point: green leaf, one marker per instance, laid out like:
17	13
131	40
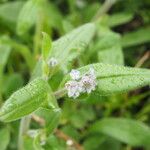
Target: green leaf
109	43
25	100
106	44
137	37
119	18
91	143
128	131
27	16
46	45
110	144
105	56
5	137
72	44
113	79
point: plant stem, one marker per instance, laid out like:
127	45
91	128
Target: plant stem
104	8
24	126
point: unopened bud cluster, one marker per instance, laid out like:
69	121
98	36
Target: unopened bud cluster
81	84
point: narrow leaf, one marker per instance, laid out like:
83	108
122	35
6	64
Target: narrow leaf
119	18
46	45
137	37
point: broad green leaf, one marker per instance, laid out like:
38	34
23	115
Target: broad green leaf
25	100
5	137
46	45
27	16
119	18
137	37
112	78
72	44
128	131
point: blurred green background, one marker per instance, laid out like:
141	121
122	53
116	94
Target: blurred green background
122	37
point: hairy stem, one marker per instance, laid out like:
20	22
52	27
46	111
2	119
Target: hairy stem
24	126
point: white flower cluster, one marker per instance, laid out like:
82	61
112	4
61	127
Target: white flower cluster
81	84
52	62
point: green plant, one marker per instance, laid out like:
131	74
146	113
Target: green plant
62	73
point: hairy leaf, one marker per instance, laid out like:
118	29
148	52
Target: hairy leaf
112	78
72	44
25	100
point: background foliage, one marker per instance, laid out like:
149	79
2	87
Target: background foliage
119	35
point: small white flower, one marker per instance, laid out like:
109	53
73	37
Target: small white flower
88	81
52	62
74	88
75	74
88	84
